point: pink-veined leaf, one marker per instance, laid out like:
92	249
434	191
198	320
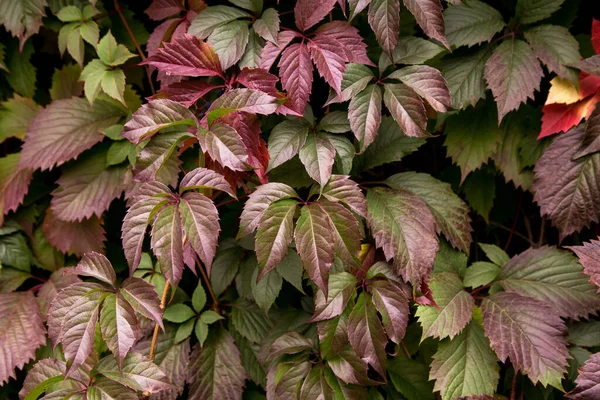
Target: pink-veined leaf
58	281
315	243
428	14
267	26
74	237
330	58
296	72
345	230
204	178
318	156
187	93
587	382
14	183
258	202
271	51
136	372
224	145
142	296
186	55
259	79
528	332
119	326
21	331
242	100
384	18
352	43
158	160
406	108
392	304
342	189
428	82
154	116
200	221
364	114
42	376
589	258
96	266
167	242
309	12
65	129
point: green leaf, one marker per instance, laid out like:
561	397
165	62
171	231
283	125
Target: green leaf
266	290
250	321
344	153
90	32
411	50
267	26
2	57
206	22
274	234
410	378
449	259
69	14
584	334
120	151
333	335
465	365
111	53
22	77
137	372
65	82
22	18
355	80
454	310
210	317
464	76
341	288
229	42
290	269
251	58
253	5
530	11
495	254
15	116
97	75
224	268
471	23
15	252
406	108
480	273
480	190
318	156
199	298
43	376
178	313
184	330
119	326
285	141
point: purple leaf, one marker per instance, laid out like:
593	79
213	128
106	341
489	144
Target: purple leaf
289	343
392	304
21	331
158	160
341	189
530	333
74	237
200	221
296	72
345	230
242	100
333	335
136	372
44	373
589	257
97	266
143	298
348	367
350	39
285	141
259	79
288	385
104	388
204	178
187	93
428	83
224	145
330	58
588	384
186	56
167	242
406	108
65	129
364	114
119	326
271	51
58	281
14	183
384	18
341	287
161	9
428	14
309	12
154	116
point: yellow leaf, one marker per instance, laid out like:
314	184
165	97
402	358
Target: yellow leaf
562	91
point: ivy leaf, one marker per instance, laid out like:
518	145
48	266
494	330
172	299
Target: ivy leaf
556	48
406	108
530	11
15	116
229	42
267	26
428	14
587	386
454	310
562	188
315	243
21	331
136	372
318	156
212	17
404	228
274	234
167	242
464	77
513	73
364	114
119	326
22	18
341	287
472	23
142	296
186	55
530	333
552	276
366	334
285	141
465	365
296	72
65	129
308	12
74	237
154	116
427	82
200	221
384	19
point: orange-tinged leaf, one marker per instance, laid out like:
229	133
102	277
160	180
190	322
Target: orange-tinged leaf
562	91
561	117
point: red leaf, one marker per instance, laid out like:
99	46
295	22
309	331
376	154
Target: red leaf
187	93
384	18
271	51
258	78
330	58
296	72
309	12
74	237
201	178
562	117
96	266
596	35
187	56
348	36
428	14
161	9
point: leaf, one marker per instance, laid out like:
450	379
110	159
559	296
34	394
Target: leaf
318	156
224	144
555	47
186	55
392	304
529	11
428	14
471	23
454	310
64	129
57	282
212	17
341	287
143	298
450	212
565	189
15	116
552	276
44	374
480	191
465	365
352	45
136	372
285	141
588	258
406	108
266	290
410	378
384	19
513	74
111	53
329	60
242	100
14	252
355	80
161	9
258	202
413	50
167	242
178	313
21	331
119	326
589	65
584	334
225	268
74	237
290	269
315	243
154	116
274	234
106	389
250	321
229	42
271	51
472	137
296	72
345	231
267	26
427	82
404	228
530	333
22	78
96	266
187	93
464	77
203	178
22	18
590	142
308	12
480	273
587	386
366	334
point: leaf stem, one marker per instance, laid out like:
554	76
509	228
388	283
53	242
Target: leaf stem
515	233
135	42
513	389
514	225
208	285
163	304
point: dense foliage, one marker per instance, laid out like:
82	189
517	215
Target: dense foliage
309	199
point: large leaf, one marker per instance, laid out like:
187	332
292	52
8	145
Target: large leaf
342	189
119	326
243	100
341	287
65	129
352	45
167	242
136	372
384	18
267	26
309	12
318	156
406	108
315	243
513	73
74	237
296	72
212	17
568	190
41	377
404	228
364	114
464	76
345	231
274	235
529	11
450	212
15	116
285	141
22	18
215	370
96	266
14	183
390	300
465	365
454	310
142	296
204	178
250	321
472	23
229	42
553	276
366	334
530	333
588	385
428	82
21	331
428	14
224	144
329	57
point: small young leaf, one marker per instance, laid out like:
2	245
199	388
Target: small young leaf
178	313
199	298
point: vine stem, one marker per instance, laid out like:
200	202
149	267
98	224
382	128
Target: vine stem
208	285
135	42
163	304
513	389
